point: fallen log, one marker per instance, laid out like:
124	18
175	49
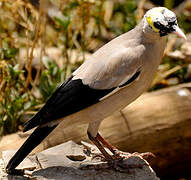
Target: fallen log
158	122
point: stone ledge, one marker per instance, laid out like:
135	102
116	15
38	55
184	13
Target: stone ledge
72	161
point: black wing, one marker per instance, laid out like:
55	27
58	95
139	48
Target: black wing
72	96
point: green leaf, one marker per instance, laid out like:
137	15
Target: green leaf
64	21
9	52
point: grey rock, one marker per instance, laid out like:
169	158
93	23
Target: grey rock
70	161
29	163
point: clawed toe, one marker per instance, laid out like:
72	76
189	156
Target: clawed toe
121	164
122	154
145	155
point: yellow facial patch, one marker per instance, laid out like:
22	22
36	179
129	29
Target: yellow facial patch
150	22
152	16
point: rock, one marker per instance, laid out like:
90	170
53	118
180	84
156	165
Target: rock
57	156
76	157
4	176
72	161
29	163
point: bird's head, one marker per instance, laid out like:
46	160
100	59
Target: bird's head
162	21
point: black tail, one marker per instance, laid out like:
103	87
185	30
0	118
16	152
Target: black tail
39	134
33	122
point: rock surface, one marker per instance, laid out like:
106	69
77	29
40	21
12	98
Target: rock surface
72	161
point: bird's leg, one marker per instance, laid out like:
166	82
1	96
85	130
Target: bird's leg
107	156
116	153
106	144
119	154
115	161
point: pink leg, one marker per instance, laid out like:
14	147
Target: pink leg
118	159
107	156
119	154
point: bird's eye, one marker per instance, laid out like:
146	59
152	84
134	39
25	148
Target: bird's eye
157	25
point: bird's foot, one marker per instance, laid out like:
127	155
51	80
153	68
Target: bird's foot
124	161
145	155
119	160
120	154
119	163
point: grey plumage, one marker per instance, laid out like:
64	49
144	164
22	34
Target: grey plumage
112	78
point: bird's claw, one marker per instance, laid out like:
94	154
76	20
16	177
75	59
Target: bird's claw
118	163
122	154
145	155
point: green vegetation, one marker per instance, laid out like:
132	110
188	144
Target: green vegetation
75	27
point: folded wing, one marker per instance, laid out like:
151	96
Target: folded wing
82	89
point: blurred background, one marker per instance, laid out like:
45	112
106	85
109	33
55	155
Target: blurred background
43	42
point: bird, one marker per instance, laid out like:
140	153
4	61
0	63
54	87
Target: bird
112	78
